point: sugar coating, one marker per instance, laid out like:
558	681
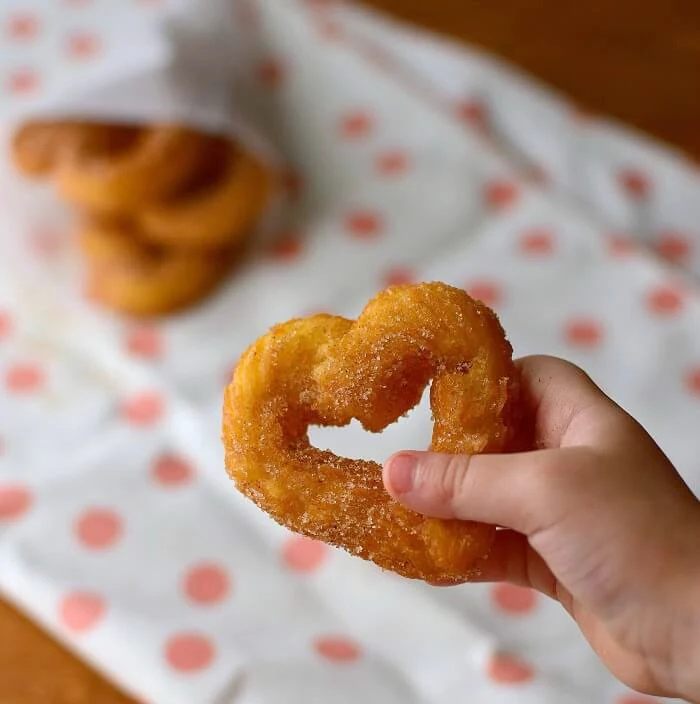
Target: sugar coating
128	275
327	371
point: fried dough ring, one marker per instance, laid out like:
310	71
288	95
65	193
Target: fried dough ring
152	165
38	148
128	276
216	214
327	370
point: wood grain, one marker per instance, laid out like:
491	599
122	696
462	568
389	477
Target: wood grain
635	60
34	669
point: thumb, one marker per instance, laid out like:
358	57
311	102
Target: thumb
514	491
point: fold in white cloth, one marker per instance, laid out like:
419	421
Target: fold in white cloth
416	159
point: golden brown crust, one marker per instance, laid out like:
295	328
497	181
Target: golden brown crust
129	276
327	370
35	148
216	213
120	176
39	147
167	209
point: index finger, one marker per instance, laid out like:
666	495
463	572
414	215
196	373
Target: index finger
562	402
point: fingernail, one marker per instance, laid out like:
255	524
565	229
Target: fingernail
402	471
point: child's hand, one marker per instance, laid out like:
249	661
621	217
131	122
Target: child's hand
598	519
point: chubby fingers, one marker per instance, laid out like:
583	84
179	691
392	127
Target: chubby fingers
513	491
512	559
563	401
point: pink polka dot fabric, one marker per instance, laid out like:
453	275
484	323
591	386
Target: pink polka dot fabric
404	159
48	49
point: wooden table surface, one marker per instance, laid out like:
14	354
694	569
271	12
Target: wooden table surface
635	60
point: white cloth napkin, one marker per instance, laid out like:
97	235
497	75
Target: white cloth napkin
407	159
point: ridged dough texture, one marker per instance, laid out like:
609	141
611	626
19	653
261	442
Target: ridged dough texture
327	370
218	209
39	148
139	280
121	177
165	209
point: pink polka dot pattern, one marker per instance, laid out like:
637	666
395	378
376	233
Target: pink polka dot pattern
329	29
486	291
399	275
15	501
538	241
47	242
392	163
508	670
379	158
83	46
6	324
355	125
172	471
513	600
23	26
500	194
693	381
664	301
287	248
23	81
144	409
81	611
301	554
98	528
337	649
189	652
584	333
24	378
364	224
474	113
673	246
207	584
621	245
145	342
635	183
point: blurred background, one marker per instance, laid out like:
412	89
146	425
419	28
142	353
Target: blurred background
633	62
637	63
